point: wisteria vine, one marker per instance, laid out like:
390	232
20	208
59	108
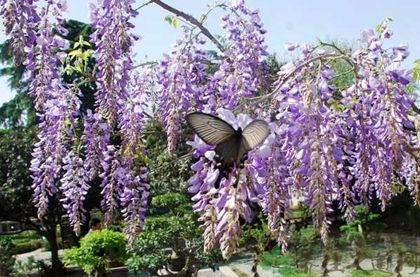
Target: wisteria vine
327	143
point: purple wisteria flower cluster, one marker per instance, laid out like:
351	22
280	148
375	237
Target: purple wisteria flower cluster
327	142
65	159
120	105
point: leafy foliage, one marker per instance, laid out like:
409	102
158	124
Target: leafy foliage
275	260
364	226
97	249
171	237
168	172
303	244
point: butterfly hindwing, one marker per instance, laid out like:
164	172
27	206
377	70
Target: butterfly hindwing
228	152
211	129
254	133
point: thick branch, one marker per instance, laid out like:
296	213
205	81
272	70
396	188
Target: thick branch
192	20
415	108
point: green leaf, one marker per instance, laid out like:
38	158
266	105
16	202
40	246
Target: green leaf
276	251
268	257
284	271
172	20
282	260
75	53
175	22
265	265
168	19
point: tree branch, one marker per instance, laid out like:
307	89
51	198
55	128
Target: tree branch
415	108
143	5
192	20
146	64
288	76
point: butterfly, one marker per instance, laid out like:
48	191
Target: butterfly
232	145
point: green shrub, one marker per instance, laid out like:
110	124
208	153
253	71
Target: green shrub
29	246
97	249
6	259
171	236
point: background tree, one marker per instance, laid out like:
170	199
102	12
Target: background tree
17	139
16	192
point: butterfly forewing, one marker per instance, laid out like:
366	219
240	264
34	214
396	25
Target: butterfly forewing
210	129
253	134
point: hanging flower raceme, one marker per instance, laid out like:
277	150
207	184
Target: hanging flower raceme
181	79
57	105
96	139
44	55
382	124
242	72
57	125
134	198
75	186
269	177
120	99
131	118
113	176
135	189
312	148
113	50
20	18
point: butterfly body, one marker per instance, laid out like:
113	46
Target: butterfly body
232	145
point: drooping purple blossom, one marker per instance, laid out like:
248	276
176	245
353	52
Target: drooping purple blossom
74	186
120	99
97	134
113	176
113	42
20	18
221	207
181	78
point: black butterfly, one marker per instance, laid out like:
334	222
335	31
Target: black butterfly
231	145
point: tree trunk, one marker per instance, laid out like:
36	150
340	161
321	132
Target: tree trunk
56	265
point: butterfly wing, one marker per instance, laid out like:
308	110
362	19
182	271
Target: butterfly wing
253	134
228	152
211	129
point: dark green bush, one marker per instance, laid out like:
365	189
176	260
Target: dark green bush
97	249
29	246
171	237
